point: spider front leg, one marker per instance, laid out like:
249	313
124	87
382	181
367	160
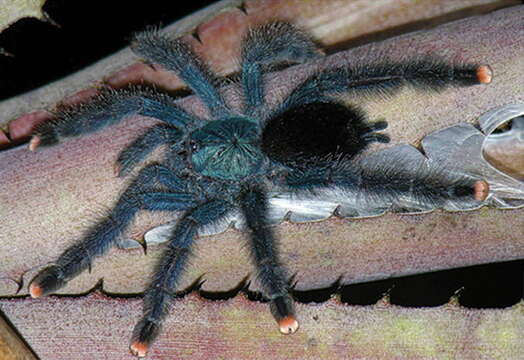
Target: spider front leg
106	109
264	252
144	145
99	238
177	56
158	296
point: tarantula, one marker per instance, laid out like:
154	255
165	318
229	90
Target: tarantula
232	159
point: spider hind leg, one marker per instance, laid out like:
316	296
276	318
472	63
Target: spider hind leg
159	295
264	252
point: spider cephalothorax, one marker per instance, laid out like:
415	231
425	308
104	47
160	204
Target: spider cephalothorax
227	149
231	160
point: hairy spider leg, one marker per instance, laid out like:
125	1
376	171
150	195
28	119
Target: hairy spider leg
109	108
370	179
264	252
385	79
157	299
175	55
143	145
99	238
269	44
388	181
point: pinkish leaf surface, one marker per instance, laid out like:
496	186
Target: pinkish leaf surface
98	327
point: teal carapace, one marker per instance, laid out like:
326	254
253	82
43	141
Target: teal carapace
227	149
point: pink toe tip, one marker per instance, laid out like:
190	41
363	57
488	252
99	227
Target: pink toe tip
484	74
34	143
288	325
138	348
480	190
35	291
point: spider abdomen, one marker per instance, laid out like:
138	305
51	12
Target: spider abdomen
317	130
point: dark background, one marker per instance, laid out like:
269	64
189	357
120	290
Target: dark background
90	30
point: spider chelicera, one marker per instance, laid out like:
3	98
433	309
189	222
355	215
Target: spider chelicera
231	160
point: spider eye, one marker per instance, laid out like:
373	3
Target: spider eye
194	146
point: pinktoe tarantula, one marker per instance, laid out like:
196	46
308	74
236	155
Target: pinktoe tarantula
234	158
